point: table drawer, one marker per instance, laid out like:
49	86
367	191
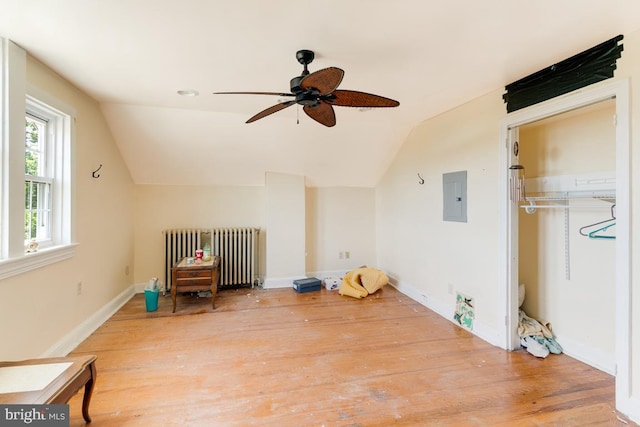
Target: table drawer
193	273
193	281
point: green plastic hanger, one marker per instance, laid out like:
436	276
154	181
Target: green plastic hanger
593	235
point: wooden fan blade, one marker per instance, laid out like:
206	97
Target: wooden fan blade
271	110
352	98
253	93
323	114
325	80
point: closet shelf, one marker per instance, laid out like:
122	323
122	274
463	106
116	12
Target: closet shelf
559	191
561	200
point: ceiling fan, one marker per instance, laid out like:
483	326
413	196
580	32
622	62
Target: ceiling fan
317	92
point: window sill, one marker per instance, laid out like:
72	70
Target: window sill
31	261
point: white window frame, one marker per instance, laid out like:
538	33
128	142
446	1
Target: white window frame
43	179
17	97
59	168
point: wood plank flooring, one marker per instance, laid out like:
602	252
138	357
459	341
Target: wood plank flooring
278	358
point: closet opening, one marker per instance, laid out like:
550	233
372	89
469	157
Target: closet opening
567	241
566	230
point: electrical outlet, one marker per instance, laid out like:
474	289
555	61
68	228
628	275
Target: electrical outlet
79	290
340	255
347	254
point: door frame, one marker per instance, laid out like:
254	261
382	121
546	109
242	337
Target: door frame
620	91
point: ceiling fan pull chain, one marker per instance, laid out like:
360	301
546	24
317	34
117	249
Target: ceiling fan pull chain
297	114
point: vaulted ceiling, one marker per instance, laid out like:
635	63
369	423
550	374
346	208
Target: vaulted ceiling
132	56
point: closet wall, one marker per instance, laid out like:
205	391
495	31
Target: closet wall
570	278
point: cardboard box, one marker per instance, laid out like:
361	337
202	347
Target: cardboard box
309	284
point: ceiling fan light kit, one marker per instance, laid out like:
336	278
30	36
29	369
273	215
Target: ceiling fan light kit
318	92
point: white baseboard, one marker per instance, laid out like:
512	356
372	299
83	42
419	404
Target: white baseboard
280	282
593	357
327	273
138	288
578	351
443	309
86	328
589	355
287	282
447	310
630	407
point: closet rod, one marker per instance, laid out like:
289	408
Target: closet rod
531	206
534	206
605	197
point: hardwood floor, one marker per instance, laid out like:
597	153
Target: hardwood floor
277	358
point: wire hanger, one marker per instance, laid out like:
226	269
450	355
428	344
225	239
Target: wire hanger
607	223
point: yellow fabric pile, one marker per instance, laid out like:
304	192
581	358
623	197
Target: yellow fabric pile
362	281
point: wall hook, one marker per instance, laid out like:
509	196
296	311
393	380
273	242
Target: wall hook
95	173
421	180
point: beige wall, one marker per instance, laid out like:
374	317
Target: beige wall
40	308
578	142
160	207
285	219
427	256
431	258
340	219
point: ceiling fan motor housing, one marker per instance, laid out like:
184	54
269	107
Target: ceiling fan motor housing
295	85
308	97
304	96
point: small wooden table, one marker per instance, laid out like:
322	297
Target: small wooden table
195	277
81	372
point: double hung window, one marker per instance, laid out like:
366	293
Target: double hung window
39	178
36	170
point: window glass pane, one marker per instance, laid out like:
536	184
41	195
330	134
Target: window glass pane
34	196
29	217
34	146
30	225
37	216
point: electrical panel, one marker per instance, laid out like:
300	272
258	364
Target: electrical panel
454	190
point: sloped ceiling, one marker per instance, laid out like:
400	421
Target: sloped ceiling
134	55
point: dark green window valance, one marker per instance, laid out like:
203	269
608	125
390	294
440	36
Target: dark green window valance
588	67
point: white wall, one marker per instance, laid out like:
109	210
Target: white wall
40	309
630	66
